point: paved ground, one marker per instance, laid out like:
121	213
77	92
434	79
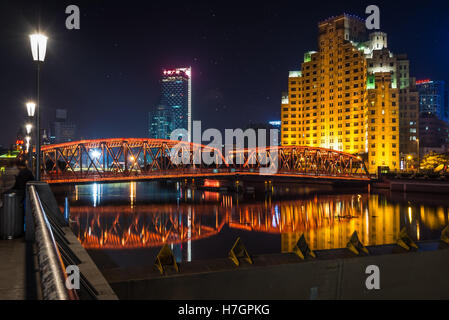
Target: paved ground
12	269
18	277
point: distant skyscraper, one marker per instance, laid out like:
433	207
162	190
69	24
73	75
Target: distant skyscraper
160	125
175	106
62	130
432	98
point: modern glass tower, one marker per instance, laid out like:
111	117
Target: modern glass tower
175	107
432	98
160	124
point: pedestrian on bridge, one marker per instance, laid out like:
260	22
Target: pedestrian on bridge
22	178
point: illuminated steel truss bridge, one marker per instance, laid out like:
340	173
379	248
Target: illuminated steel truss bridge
148	159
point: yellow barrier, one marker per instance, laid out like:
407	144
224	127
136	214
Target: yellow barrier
239	251
302	249
404	240
165	257
355	246
445	235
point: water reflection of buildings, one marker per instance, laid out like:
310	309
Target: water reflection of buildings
376	221
326	221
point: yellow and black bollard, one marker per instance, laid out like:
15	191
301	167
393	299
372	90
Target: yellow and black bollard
165	257
404	240
302	249
239	251
355	245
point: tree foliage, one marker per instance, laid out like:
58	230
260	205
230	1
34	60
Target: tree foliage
432	161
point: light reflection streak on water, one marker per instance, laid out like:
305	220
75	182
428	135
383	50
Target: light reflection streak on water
96	194
189	235
410	214
132	193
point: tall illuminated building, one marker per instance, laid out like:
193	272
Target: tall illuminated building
175	105
383	123
404	99
326	105
349	95
383	134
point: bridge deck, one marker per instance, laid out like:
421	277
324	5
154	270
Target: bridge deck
55	179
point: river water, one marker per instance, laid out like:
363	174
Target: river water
126	224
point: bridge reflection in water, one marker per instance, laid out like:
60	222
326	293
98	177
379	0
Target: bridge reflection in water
186	216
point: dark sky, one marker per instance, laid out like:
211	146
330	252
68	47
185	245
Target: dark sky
107	74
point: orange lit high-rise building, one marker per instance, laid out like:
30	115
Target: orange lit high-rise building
329	104
383	123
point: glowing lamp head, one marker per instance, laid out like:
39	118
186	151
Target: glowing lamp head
28	127
38	46
28	139
31	108
95	154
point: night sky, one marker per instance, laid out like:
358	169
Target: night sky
107	74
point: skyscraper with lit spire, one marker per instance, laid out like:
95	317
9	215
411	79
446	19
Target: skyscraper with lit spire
175	108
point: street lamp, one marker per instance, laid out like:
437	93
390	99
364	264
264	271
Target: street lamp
31	110
28	127
409	158
38	46
38	43
28	139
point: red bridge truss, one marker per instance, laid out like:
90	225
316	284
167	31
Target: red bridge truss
147	159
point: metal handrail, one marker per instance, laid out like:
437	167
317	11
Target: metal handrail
51	266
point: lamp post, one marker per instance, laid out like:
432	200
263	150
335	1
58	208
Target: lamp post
409	158
31	110
38	49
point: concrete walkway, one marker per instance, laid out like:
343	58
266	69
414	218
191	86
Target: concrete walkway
12	269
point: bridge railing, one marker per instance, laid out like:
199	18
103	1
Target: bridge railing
52	270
